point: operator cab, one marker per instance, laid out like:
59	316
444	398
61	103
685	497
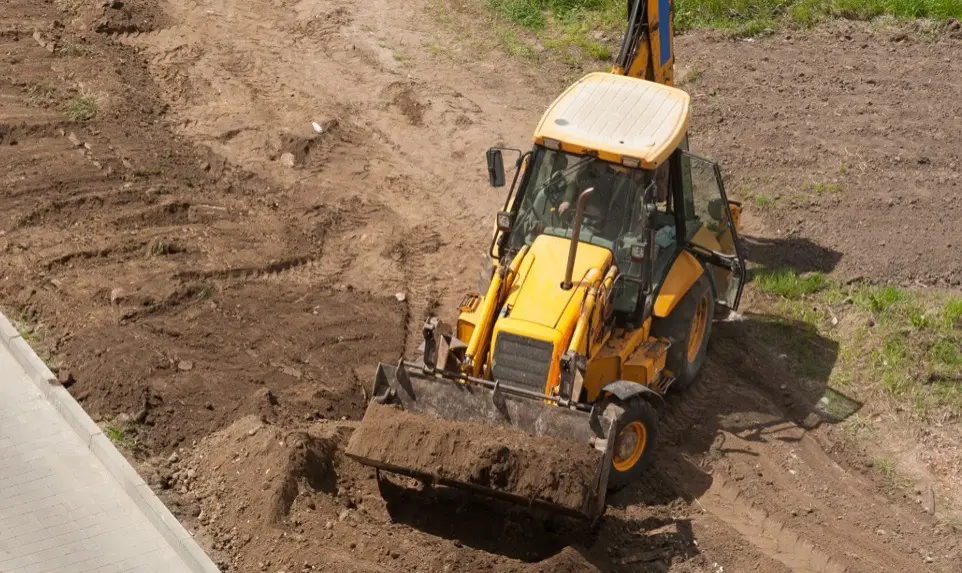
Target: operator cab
625	139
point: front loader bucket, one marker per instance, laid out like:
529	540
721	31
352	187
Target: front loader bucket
489	441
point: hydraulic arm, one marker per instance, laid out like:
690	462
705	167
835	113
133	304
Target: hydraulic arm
647	47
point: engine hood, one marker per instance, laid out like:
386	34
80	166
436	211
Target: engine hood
536	297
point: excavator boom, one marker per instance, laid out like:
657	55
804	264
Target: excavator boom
647	49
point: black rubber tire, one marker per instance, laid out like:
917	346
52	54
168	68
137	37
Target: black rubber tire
625	412
677	328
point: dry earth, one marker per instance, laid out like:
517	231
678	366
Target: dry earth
217	278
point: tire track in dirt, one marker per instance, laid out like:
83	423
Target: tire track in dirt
778	508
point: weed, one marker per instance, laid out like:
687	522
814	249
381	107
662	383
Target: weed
81	108
878	300
206	292
843	169
918	318
26	326
947	352
694	75
952	312
750	17
787	283
118	436
514	46
890	475
525	13
858	426
764	201
159	248
826	188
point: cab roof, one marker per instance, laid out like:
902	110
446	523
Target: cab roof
619	118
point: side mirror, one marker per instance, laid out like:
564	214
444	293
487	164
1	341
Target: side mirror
495	168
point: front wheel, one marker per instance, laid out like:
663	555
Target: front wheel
635	434
689	328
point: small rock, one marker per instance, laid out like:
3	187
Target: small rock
185	365
174	458
928	501
343	515
116	295
191	473
287	159
74	140
401	297
329	525
252	431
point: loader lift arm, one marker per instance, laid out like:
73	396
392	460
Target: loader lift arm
647	49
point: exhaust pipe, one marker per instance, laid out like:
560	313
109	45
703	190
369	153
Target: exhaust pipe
575	235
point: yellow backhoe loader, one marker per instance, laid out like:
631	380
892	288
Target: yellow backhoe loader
615	249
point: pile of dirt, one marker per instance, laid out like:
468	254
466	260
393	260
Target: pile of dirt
229	311
552	471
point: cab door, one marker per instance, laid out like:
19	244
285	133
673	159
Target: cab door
710	223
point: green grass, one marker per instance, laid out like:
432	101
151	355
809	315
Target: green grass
787	283
118	436
159	248
751	17
82	108
825	188
514	46
952	312
901	344
569	21
569	29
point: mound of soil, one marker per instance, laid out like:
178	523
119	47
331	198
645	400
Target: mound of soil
556	472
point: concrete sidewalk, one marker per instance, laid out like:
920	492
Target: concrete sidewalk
69	502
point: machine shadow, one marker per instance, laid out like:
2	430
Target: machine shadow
764	373
534	535
800	254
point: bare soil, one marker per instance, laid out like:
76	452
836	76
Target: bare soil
218	278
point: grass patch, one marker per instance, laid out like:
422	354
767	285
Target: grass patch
750	17
82	108
890	475
825	188
160	248
119	436
895	344
572	30
858	426
513	45
568	21
787	283
952	312
764	201
206	292
879	300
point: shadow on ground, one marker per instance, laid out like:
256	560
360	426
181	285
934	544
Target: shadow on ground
800	254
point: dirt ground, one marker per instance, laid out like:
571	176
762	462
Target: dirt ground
217	278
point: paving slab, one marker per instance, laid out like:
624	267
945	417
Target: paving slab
69	501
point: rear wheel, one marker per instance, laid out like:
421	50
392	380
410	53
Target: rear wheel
635	434
689	328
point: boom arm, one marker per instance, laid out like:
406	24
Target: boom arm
647	48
